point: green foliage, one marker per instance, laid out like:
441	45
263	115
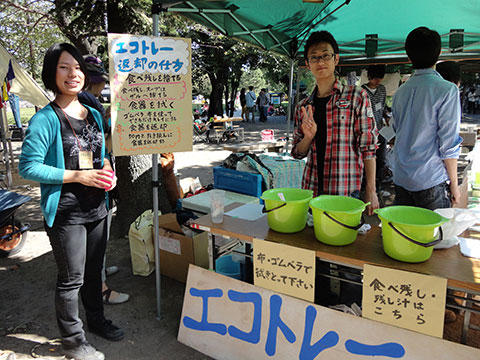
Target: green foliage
255	78
28	29
276	70
82	22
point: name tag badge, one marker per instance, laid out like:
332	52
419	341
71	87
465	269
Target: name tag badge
342	103
85	160
369	112
378	106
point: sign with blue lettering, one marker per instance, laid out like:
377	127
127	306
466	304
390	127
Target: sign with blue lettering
151	85
233	320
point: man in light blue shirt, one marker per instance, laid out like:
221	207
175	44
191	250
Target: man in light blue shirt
250	105
426	112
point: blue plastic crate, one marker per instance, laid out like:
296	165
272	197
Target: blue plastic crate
237	181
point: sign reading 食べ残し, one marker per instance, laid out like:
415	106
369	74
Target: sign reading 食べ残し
405	299
151	94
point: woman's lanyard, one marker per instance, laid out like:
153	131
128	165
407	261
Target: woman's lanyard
85	157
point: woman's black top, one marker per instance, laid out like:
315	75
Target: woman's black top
80	204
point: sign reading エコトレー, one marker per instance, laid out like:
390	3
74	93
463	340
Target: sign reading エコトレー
151	94
232	320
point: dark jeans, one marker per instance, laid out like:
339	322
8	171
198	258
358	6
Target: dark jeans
78	252
263	113
436	197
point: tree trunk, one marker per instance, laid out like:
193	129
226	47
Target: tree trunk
232	100
216	96
227	102
135	191
134	172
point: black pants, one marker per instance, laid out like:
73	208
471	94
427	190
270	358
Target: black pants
78	252
263	113
380	162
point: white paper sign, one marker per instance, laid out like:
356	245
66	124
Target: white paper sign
170	245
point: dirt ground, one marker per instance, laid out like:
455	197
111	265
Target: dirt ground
27	280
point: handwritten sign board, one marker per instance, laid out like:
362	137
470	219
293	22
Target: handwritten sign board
405	299
151	90
285	269
229	319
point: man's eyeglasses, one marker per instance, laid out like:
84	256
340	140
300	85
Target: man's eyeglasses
325	57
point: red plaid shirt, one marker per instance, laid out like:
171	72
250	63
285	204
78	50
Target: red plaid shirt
351	138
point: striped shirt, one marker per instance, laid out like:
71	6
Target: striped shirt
351	138
377	99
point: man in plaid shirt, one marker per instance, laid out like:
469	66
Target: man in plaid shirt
335	128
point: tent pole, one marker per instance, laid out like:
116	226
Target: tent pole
297	93
6	148
289	109
155	195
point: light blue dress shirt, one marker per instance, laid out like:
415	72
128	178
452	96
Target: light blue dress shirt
426	112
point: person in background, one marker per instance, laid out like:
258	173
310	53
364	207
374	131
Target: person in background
262	105
98	78
471	101
243	104
450	71
204	112
64	150
378	95
167	161
250	104
426	112
335	128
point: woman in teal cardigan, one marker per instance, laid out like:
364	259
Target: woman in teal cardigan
64	150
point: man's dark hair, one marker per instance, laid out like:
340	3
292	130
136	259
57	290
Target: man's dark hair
376	71
423	47
50	62
450	70
318	37
250	88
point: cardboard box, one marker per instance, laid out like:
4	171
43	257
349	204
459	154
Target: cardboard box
178	250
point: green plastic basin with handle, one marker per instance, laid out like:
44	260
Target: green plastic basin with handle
409	233
336	219
287	208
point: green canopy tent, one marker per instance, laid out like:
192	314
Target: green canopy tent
366	30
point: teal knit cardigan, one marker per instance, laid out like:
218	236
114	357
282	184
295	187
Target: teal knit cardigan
42	157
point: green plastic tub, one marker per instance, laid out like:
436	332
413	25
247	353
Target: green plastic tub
336	219
409	233
287	208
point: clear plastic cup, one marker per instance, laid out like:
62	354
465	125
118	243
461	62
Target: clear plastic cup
217	205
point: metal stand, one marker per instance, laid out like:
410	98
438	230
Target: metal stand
6	147
155	12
